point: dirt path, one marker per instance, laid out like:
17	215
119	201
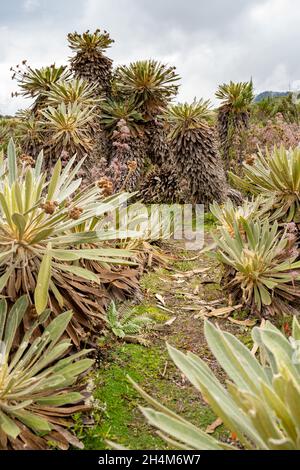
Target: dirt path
178	298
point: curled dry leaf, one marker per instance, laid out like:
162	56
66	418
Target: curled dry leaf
165	309
211	302
249	323
213	426
170	322
201	313
192	273
161	299
223	311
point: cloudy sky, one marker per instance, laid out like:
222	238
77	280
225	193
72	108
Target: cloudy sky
210	42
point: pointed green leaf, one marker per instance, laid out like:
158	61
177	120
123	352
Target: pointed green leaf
43	281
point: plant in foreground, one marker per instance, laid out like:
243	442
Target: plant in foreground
260	404
262	268
38	391
49	235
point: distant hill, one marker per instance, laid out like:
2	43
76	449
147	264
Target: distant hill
270	94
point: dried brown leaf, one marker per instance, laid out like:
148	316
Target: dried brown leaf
218	312
213	426
249	323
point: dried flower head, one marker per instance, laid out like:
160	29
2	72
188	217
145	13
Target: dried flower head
75	213
102	182
250	160
132	165
49	207
27	159
106	186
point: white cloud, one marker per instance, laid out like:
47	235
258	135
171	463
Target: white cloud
31	5
36	48
209	42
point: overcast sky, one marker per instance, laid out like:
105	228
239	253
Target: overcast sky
210	41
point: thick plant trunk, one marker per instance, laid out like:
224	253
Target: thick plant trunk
230	133
158	146
96	69
161	185
198	161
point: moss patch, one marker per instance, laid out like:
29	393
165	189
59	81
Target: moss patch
152	311
152	282
118	417
246	338
183	265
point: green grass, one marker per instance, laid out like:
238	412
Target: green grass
152	281
157	314
184	266
246	338
118	417
210	222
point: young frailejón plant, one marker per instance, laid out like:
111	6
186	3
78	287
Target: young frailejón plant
275	176
228	214
68	128
47	229
259	405
38	382
29	132
262	268
127	324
